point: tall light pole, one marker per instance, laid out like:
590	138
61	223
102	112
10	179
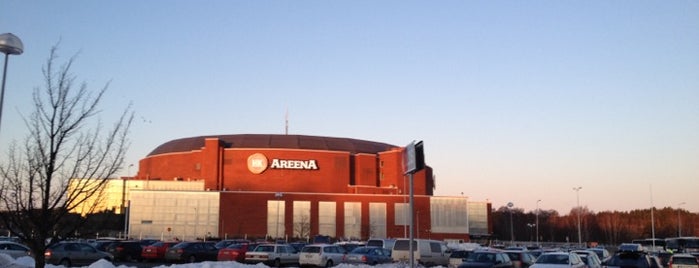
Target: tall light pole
277	195
537	221
530	225
196	222
577	193
10	44
512	232
679	220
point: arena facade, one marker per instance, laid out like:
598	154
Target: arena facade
292	186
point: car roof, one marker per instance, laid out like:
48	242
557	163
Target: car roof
683	255
556	253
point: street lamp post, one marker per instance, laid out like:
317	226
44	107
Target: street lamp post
277	195
10	44
196	222
512	232
577	194
537	221
679	220
530	225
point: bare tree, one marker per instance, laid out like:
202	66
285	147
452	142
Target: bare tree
65	140
302	228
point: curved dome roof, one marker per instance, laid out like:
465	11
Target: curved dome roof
276	141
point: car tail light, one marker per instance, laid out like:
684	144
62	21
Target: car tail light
47	253
364	259
180	251
119	248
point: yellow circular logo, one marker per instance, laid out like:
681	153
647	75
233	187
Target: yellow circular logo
257	163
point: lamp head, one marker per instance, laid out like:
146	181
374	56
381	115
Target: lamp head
10	44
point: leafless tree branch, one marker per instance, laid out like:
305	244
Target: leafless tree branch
66	143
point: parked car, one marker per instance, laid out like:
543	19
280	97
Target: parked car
147	242
426	252
558	260
297	245
602	253
235	252
630	258
384	243
664	257
74	254
273	254
15	250
191	252
224	243
102	245
457	257
683	261
321	255
125	250
631	247
655	262
156	251
351	245
590	258
520	258
487	259
370	255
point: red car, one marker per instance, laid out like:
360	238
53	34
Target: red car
156	251
235	252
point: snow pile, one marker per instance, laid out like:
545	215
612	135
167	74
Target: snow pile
6	261
28	262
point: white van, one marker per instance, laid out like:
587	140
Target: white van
426	252
379	242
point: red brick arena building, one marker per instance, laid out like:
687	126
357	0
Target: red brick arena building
291	186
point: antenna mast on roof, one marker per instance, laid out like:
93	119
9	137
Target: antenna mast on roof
286	122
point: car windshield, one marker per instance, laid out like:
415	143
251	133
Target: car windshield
157	244
361	250
553	259
236	246
484	257
311	250
264	249
460	254
181	245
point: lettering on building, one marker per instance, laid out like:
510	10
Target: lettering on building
258	163
293	164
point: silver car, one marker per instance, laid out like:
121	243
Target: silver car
274	255
15	250
559	260
590	258
321	255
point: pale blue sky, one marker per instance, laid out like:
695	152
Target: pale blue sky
514	100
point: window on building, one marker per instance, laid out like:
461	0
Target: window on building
401	213
302	219
326	218
275	218
449	215
353	220
377	220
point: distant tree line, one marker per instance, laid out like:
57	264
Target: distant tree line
607	227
